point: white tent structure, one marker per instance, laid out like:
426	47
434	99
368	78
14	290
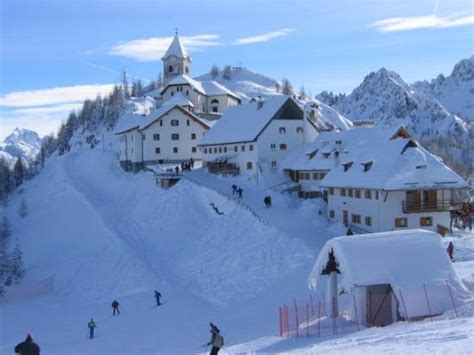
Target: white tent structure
389	276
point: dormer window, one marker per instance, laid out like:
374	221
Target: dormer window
367	165
299	130
326	155
282	130
347	166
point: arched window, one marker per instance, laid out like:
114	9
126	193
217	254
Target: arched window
282	130
170	68
186	70
299	129
215	101
215	105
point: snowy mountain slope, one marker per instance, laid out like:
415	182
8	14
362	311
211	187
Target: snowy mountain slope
456	91
386	99
22	143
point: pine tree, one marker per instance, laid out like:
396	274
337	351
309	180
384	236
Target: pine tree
278	87
18	172
5	234
287	88
124	81
227	72
214	71
22	210
303	95
5	180
17	270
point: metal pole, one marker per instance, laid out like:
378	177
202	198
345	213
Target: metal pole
404	306
297	321
428	301
452	299
307	320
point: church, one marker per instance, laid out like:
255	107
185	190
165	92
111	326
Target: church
185	109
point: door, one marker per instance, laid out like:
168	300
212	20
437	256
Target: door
345	217
430	199
413	200
379	305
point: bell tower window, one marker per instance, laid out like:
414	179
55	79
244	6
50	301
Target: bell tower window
170	68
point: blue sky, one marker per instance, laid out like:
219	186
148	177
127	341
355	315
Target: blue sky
79	47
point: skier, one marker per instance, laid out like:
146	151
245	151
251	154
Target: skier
191	163
115	308
269	201
157	297
240	191
234	189
265	201
28	347
450	250
91	325
349	231
177	169
217	340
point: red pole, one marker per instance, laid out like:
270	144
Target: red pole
307	320
404	306
355	309
312	307
428	301
452	299
319	319
297	320
287	322
280	319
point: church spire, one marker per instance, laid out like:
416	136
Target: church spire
176	60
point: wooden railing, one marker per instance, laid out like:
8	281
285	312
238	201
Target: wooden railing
430	206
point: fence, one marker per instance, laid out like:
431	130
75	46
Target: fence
377	305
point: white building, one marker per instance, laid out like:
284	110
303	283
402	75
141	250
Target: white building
169	134
259	133
185	110
380	278
385	181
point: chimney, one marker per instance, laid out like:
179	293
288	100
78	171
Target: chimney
259	103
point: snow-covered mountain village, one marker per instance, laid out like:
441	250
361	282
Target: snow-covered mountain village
230	212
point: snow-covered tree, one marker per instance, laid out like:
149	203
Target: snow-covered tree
124	82
18	172
278	86
214	71
5	180
5	234
137	88
227	72
303	94
287	88
17	269
23	209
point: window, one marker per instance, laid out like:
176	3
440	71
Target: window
215	101
188	123
243	148
132	138
193	150
356	218
157	150
357	193
215	150
332	214
282	130
272	146
156	137
250	147
315	176
349	192
299	130
161	123
172	93
175	136
225	149
283	146
367	166
175	150
401	222
306	176
368	194
249	165
426	221
343	192
215	109
186	69
144	136
193	135
301	175
174	122
236	149
347	166
326	155
273	163
170	68
187	92
377	195
205	150
331	191
220	149
322	175
368	221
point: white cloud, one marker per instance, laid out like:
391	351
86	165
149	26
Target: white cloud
413	23
152	49
59	95
263	37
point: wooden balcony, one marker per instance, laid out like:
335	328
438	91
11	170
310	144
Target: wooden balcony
430	206
223	168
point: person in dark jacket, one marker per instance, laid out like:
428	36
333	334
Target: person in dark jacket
115	307
28	347
450	250
91	325
157	297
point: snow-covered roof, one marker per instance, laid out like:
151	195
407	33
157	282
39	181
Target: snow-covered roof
399	164
208	88
132	121
243	123
176	49
406	260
